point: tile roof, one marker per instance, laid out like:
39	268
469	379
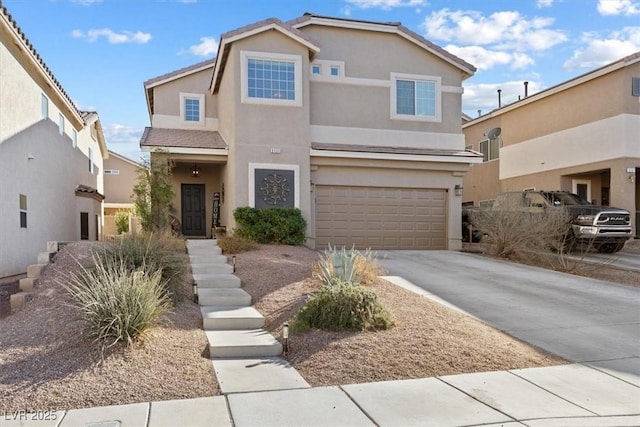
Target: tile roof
264	23
354	148
180	71
161	137
48	73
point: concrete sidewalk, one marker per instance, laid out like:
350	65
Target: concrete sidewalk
566	395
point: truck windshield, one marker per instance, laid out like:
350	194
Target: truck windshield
565	199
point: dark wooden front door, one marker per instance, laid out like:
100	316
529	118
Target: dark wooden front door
193	210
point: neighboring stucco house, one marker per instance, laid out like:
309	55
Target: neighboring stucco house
51	157
120	176
582	135
356	123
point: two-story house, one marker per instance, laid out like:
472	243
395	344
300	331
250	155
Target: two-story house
355	123
51	157
582	135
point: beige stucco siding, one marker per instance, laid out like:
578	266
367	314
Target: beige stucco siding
356	102
118	188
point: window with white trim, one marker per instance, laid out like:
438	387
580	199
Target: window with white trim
327	68
44	106
271	78
90	155
415	97
490	149
192	108
61	124
74	138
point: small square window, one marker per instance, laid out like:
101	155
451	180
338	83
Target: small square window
316	69
44	106
335	71
61	124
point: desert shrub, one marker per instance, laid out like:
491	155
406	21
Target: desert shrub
115	304
342	306
271	225
234	244
345	265
149	253
514	232
122	222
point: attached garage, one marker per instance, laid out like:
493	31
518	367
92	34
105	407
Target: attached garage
380	217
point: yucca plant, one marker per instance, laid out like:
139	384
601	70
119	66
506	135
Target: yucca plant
342	265
115	304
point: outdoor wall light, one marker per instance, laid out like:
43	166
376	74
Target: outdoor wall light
195	292
285	336
195	171
458	190
233	262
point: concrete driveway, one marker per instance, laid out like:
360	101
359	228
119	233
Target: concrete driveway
625	260
580	319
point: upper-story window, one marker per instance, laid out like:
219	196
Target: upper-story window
61	124
90	155
326	68
415	97
490	149
44	106
74	138
192	108
271	78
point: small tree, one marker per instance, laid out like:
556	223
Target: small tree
122	222
153	194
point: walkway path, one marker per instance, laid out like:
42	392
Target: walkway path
245	356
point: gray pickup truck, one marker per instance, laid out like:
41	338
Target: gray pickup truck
605	227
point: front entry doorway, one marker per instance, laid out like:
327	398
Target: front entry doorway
193	210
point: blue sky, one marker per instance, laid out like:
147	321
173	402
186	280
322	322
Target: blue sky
102	51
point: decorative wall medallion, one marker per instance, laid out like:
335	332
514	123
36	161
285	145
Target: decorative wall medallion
275	189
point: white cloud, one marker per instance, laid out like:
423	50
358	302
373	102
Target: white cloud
384	4
120	134
86	2
505	29
112	36
544	3
601	51
484	96
207	47
618	7
485	59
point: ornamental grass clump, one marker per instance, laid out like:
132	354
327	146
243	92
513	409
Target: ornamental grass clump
152	252
343	303
115	304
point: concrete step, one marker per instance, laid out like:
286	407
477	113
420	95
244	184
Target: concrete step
217	281
211	269
223	297
208	259
19	300
27	283
34	270
45	257
247	343
217	318
256	374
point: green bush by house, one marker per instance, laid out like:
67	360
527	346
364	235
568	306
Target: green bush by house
271	225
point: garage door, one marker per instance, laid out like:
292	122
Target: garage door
380	218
